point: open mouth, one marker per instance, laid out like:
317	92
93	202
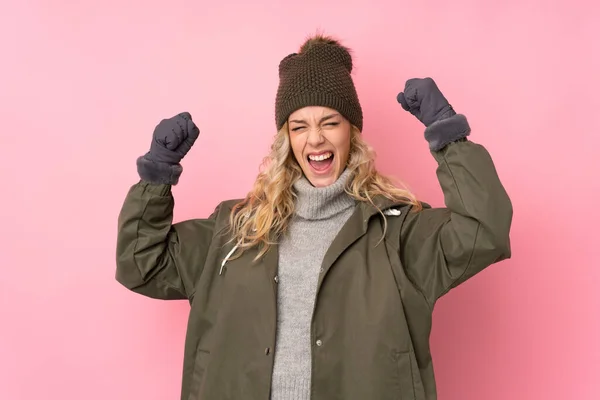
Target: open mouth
320	162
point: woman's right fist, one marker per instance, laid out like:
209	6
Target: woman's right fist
173	138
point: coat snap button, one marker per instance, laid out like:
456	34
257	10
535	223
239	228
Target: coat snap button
319	343
267	351
276	279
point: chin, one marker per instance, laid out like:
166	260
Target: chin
321	181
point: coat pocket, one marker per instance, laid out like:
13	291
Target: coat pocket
200	364
405	375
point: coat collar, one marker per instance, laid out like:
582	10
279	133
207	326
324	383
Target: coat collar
356	227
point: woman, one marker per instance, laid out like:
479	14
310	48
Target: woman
320	284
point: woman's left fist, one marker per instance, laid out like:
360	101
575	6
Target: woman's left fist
423	99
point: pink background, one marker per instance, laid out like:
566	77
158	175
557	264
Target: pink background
83	85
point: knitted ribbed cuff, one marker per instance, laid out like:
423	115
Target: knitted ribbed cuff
290	388
158	172
349	109
441	133
317	203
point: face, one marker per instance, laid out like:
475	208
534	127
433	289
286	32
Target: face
320	139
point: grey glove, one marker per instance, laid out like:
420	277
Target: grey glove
171	141
423	99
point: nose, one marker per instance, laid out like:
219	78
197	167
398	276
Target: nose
315	137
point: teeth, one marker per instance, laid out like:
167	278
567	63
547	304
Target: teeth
320	157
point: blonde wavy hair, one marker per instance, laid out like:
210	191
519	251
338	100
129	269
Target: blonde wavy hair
265	213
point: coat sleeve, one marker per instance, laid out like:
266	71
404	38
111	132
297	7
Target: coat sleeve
155	257
443	247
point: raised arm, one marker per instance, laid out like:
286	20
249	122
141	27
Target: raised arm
155	257
443	247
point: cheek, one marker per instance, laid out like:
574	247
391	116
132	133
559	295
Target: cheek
345	152
297	147
343	146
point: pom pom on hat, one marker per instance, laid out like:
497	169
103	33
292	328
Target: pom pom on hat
331	43
319	39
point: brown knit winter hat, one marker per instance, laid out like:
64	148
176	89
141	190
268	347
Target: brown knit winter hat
319	75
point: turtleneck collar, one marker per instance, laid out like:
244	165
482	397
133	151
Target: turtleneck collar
315	203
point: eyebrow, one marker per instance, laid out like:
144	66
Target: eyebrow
325	118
